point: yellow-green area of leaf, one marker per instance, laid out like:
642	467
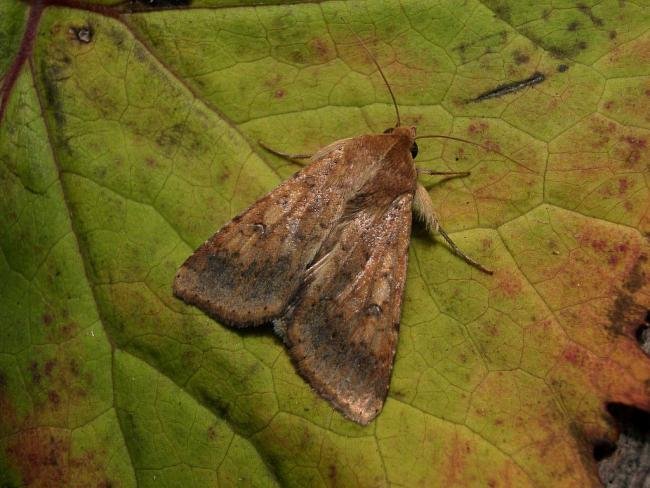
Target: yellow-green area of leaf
128	136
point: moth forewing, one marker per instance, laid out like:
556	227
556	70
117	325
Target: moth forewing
324	257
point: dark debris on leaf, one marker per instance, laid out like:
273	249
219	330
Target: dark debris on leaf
138	4
511	87
82	34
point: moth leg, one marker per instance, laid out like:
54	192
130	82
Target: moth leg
425	171
284	155
424	208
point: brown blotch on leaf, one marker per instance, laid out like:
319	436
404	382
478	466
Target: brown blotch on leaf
586	10
54	398
520	58
41	456
625	314
320	48
562	68
573	26
637	278
49	366
35	373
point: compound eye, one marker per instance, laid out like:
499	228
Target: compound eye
388	131
414	149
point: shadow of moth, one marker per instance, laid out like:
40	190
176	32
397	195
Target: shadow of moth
323	257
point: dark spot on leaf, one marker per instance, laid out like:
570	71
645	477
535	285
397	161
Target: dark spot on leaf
331	472
47	319
162	3
636	279
586	10
212	433
73	366
82	34
613	34
520	58
279	93
603	449
35	373
502	11
49	366
320	48
298	57
116	35
54	398
573	26
561	68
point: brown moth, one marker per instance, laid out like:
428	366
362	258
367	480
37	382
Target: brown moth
323	257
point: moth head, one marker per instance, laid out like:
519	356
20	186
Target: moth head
408	132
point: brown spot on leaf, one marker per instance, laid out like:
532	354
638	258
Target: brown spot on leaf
54	398
636	279
478	127
49	366
573	26
520	58
320	48
586	10
508	284
279	93
35	373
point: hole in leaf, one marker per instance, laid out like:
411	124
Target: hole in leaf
627	462
631	420
603	449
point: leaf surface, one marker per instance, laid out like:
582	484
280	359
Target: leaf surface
128	135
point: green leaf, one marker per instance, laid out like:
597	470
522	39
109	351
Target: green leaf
129	135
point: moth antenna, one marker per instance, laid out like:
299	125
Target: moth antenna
390	90
459	139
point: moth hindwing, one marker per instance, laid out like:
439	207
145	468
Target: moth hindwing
324	256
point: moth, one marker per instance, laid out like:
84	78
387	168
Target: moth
323	258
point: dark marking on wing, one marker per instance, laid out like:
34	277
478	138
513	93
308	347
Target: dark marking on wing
342	326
